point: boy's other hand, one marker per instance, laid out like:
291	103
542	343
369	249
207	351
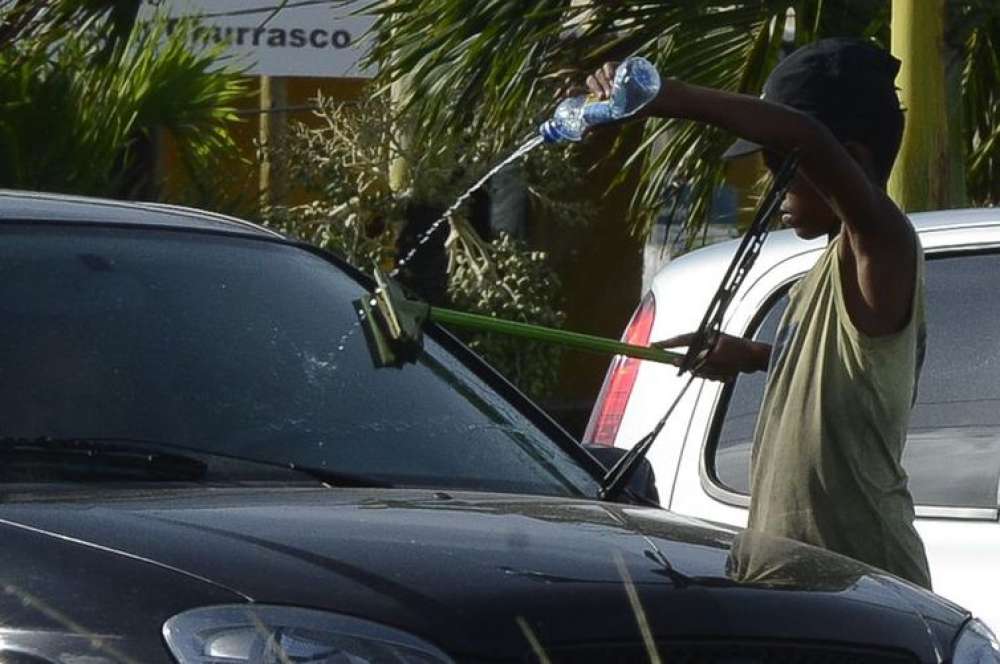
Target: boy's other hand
730	356
599	85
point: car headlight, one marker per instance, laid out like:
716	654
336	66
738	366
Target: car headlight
976	644
258	634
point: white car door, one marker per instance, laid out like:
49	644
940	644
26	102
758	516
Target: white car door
953	450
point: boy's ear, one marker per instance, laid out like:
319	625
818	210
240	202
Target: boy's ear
863	155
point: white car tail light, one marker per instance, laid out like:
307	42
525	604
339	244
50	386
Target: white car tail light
609	408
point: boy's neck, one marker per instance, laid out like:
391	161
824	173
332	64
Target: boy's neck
834	232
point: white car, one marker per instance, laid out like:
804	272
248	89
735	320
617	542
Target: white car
952	456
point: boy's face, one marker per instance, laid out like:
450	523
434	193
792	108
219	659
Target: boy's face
806	212
803	209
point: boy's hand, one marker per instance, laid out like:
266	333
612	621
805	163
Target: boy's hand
600	83
730	357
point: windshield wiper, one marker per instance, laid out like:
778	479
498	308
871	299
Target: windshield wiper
98	458
31	459
336	478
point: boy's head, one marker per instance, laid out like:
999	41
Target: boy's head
849	86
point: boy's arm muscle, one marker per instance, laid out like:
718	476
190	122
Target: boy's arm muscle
878	247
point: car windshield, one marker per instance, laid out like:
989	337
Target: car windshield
248	348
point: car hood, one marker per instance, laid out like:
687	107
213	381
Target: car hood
460	569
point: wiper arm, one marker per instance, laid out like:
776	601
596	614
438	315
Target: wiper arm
338	479
621	473
32	458
122	455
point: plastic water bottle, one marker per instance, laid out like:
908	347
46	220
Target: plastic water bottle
635	84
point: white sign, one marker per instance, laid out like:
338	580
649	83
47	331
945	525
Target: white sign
304	38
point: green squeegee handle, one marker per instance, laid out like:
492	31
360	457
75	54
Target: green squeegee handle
552	336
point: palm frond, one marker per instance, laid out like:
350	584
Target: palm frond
70	121
981	103
41	24
493	67
689	152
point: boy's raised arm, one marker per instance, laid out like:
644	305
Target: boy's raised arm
826	164
841	117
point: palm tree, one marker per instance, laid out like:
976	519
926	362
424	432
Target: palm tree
87	92
495	65
977	32
948	79
34	24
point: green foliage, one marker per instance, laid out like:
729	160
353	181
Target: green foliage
976	30
491	65
331	227
516	284
83	102
39	25
343	163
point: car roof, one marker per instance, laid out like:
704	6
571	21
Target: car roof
784	243
45	207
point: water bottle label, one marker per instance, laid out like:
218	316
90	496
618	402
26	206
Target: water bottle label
597	112
636	83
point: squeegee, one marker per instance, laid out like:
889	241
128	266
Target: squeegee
393	326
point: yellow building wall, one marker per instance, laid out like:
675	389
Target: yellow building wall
235	188
743	174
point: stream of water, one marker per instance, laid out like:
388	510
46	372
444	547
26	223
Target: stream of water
424	237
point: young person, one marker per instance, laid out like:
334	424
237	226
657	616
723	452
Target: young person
844	367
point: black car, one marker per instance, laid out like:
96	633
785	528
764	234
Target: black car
199	464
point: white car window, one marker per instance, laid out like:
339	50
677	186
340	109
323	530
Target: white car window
957	414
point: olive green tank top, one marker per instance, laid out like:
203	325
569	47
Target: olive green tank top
825	468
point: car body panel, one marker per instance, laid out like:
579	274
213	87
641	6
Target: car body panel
97	592
458	568
59	208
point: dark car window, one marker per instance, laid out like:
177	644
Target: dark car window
244	347
733	444
953	449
